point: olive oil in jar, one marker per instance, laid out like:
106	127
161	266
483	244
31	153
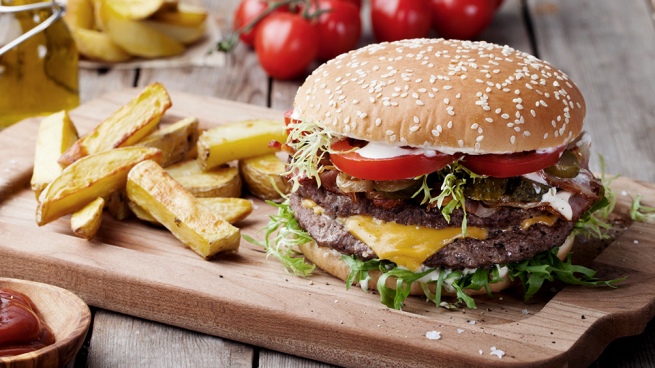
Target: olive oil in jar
40	75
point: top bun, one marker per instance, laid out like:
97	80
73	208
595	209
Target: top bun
448	95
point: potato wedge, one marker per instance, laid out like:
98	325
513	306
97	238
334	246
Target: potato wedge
86	222
185	168
117	205
136	37
231	210
89	178
135	9
56	134
264	176
177	141
238	140
79	14
142	214
219	182
98	12
125	127
185	15
185	34
97	45
150	187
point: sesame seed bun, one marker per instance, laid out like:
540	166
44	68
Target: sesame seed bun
329	260
448	95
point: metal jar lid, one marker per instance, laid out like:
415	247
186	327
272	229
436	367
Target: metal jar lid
57	12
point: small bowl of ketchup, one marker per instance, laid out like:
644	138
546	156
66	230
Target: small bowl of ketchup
41	325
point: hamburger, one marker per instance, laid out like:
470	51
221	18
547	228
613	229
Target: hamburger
433	167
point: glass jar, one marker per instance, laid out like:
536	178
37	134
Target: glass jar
39	75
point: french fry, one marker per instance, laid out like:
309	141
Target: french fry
136	37
96	45
231	210
238	140
264	176
142	214
86	222
135	9
218	182
125	127
117	205
185	34
150	187
79	14
185	15
56	134
177	141
89	178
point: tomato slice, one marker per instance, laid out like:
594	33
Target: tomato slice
394	168
513	164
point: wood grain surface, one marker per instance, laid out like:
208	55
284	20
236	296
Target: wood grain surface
137	270
603	45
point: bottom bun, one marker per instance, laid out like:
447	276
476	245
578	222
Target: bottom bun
329	260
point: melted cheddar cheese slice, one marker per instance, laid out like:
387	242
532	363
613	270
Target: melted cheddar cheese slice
407	246
543	219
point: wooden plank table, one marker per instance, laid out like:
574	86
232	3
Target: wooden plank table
606	46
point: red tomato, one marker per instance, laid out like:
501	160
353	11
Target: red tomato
339	27
461	19
396	168
358	3
246	12
400	19
286	44
515	164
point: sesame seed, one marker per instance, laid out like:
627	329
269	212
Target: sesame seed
512	139
450	124
420	103
474	126
416	120
378	121
489	120
414	128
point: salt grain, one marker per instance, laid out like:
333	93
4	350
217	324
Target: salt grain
497	352
433	335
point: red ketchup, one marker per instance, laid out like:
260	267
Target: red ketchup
21	328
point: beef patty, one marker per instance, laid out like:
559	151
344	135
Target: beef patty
506	242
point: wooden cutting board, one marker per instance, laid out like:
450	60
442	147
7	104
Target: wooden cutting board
143	271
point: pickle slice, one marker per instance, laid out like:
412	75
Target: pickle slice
568	166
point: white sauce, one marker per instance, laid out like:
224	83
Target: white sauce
559	201
536	177
376	150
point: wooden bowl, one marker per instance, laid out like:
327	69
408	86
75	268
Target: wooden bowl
64	312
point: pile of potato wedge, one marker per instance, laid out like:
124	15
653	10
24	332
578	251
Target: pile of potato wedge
119	30
177	176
